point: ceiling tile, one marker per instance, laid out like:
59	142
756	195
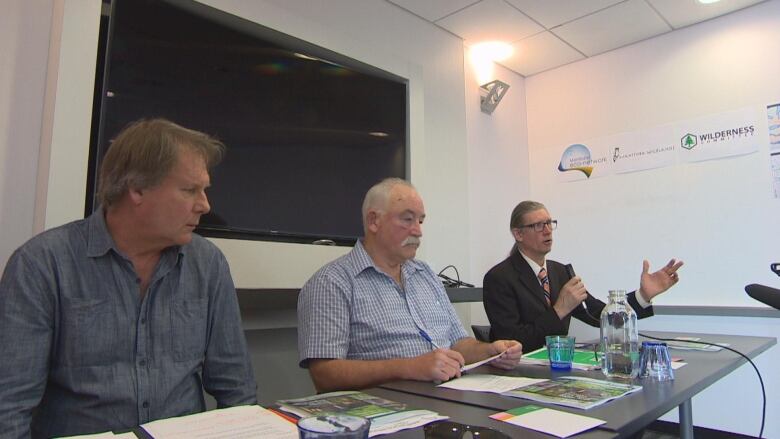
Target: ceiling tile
614	27
433	10
540	52
490	20
551	13
683	13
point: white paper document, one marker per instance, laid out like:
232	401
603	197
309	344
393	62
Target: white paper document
106	435
242	422
554	422
480	363
489	383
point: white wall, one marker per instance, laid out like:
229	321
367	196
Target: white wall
24	43
719	216
498	173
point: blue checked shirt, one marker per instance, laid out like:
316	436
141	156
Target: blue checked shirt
351	310
81	353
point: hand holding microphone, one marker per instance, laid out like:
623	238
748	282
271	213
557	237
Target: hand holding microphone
582	299
572	294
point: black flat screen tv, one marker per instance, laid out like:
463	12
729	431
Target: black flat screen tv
307	130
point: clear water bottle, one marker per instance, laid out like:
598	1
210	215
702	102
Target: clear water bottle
619	338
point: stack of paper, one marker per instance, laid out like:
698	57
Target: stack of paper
489	383
236	422
386	416
106	435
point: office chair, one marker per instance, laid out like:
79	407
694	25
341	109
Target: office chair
481	333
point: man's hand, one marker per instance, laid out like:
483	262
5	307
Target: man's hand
653	284
437	365
512	351
571	295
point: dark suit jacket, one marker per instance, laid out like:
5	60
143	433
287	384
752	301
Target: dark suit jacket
515	305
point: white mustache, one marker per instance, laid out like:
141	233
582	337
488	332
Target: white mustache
411	240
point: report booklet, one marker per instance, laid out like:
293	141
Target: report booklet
577	392
386	416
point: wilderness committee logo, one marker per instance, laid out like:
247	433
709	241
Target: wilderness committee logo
577	157
688	141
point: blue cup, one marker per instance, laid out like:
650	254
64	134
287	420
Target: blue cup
655	362
560	350
333	426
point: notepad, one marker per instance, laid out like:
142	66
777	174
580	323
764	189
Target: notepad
554	422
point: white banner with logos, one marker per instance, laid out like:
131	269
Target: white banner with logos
705	138
773	129
718	136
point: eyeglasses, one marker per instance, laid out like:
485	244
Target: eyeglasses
456	430
538	227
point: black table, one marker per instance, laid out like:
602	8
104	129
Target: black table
628	414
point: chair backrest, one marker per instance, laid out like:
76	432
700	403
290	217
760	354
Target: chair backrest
481	332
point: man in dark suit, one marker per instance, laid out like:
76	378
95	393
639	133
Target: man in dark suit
527	297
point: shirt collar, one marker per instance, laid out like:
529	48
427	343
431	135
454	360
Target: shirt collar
361	260
99	241
534	266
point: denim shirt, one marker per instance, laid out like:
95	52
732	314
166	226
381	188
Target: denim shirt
82	352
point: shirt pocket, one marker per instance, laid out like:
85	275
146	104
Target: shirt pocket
190	322
90	335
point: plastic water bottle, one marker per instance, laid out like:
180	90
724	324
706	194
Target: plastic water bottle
619	338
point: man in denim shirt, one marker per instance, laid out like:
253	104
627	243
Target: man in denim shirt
124	317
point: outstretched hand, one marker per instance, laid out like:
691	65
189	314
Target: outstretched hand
653	284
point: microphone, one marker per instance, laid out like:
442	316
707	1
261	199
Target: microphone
767	295
453	283
775	267
583	305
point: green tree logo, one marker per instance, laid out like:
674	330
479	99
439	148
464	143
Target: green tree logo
688	141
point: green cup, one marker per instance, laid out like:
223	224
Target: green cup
560	349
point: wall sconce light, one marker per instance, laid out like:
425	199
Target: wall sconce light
490	94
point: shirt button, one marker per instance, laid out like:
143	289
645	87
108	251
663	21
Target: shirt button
143	321
142	363
145	404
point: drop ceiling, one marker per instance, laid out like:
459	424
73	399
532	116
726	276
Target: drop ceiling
550	33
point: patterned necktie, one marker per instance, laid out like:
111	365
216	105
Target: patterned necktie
545	281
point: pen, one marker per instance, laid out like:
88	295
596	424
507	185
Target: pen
428	339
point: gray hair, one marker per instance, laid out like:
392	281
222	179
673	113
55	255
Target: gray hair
145	152
527	206
377	197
